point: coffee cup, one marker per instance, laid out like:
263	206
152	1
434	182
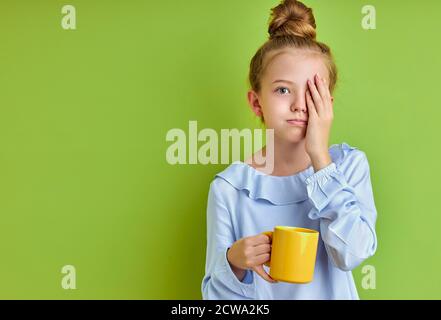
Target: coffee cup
293	254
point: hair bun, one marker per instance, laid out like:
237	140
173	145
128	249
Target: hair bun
292	17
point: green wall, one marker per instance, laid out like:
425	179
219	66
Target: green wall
84	114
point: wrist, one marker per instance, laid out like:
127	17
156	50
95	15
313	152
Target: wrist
238	272
321	160
232	265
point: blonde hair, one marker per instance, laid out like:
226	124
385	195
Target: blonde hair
292	25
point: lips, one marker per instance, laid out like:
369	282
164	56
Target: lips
297	122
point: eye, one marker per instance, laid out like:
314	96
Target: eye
283	90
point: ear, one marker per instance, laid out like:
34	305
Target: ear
253	101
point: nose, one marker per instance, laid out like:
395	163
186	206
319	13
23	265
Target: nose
299	104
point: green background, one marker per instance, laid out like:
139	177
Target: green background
84	114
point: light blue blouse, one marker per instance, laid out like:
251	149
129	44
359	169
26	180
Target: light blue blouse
336	200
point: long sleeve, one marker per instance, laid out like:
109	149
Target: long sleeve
219	281
344	203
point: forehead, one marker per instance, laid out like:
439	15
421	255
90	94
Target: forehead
291	64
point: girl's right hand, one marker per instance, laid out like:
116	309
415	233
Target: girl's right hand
251	253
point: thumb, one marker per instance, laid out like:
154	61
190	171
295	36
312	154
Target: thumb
261	272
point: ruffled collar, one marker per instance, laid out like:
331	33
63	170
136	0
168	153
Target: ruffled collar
276	189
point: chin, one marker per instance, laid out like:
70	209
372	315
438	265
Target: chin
294	136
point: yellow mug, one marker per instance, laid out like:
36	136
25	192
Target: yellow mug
293	254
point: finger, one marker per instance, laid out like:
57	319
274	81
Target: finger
327	86
261	272
325	94
261	239
321	86
261	259
310	104
262	248
318	102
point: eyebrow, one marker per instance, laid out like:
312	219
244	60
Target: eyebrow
287	81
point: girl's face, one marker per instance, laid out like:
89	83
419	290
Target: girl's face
283	91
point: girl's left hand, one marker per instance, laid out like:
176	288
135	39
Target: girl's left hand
321	114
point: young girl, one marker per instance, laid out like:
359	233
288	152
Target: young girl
311	185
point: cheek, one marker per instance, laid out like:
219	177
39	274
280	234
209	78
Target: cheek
272	109
278	102
274	118
274	106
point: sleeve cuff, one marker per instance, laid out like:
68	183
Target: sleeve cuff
226	275
248	277
323	185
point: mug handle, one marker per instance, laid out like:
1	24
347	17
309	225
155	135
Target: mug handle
269	234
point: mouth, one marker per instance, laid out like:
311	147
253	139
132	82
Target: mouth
300	123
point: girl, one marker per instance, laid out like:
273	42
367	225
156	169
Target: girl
311	185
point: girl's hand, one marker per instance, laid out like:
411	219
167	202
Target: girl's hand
321	114
251	253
